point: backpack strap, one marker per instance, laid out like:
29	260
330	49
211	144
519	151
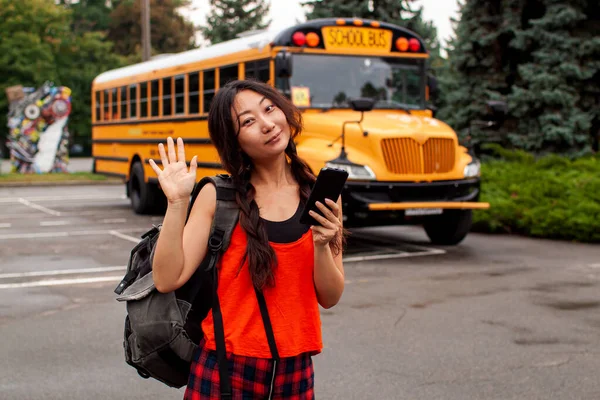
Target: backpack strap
224	222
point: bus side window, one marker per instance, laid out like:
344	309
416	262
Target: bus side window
194	93
144	100
133	100
115	105
124	102
106	105
258	70
98	113
226	74
154	97
179	94
166	99
209	88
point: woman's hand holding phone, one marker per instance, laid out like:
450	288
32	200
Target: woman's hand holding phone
330	223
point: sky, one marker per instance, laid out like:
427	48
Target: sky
284	13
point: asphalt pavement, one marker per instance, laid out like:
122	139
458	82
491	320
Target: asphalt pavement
497	317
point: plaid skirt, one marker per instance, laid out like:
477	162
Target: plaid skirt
251	377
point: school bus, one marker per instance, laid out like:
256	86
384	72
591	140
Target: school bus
363	90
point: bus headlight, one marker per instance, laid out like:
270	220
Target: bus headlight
473	169
355	171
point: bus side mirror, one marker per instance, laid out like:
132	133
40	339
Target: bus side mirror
496	111
283	64
362	104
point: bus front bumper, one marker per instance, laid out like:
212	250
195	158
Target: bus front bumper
383	203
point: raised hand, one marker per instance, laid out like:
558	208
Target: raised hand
176	181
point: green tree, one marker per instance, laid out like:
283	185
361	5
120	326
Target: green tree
90	15
80	60
30	30
556	98
228	18
478	66
542	57
37	46
170	32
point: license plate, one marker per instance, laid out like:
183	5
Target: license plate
422	211
353	38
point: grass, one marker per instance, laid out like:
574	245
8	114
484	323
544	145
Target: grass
51	177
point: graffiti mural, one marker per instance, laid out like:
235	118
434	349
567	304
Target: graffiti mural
37	121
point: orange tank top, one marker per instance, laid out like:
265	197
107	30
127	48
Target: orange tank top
291	303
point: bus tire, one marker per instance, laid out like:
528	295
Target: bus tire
450	228
146	198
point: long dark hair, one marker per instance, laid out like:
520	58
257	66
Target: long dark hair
223	134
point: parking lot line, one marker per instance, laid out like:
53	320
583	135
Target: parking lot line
61	198
395	255
38	207
53	223
61	272
126	237
114	220
52	234
56	282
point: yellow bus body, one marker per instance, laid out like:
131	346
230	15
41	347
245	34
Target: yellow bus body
417	162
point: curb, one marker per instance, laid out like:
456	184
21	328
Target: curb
81	182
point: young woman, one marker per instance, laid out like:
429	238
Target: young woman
297	267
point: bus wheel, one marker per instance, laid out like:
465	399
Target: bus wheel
146	198
450	228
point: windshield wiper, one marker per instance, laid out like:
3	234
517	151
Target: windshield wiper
392	105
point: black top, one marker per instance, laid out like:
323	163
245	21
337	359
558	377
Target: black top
287	231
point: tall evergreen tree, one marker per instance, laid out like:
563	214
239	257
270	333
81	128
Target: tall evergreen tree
480	67
556	98
539	55
228	18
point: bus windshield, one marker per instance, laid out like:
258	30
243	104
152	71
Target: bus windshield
395	83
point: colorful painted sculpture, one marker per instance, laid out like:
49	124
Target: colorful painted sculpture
38	138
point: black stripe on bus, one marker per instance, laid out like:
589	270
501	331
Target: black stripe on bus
117	159
151	141
200	164
151	121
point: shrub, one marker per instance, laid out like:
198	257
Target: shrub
551	197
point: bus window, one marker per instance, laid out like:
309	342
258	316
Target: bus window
115	105
144	100
98	116
209	88
392	82
154	96
193	93
124	103
106	105
258	70
133	100
226	74
166	98
179	94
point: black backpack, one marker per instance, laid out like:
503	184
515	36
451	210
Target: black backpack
162	330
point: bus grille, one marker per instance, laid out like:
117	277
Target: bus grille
406	156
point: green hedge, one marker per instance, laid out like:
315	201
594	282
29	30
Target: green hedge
550	197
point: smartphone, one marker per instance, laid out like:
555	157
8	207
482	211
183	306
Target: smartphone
329	185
